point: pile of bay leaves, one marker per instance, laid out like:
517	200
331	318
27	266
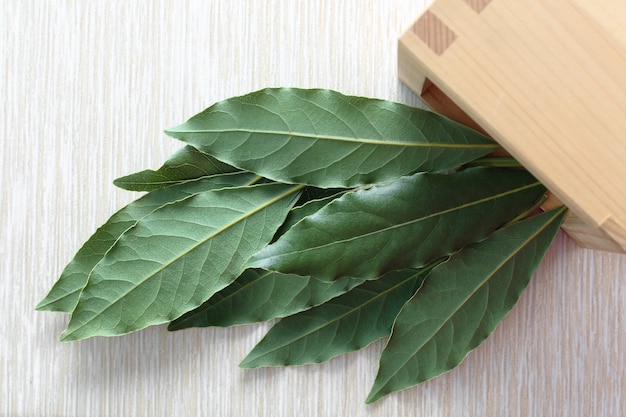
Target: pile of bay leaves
351	219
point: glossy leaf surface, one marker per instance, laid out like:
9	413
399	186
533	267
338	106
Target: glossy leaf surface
341	325
259	295
187	163
403	224
176	258
461	303
300	212
326	139
64	294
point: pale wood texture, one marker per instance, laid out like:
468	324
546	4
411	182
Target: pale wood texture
547	80
85	91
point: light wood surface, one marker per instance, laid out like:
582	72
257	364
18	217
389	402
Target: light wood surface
547	80
85	91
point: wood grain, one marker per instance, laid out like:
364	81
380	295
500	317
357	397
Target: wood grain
85	91
546	80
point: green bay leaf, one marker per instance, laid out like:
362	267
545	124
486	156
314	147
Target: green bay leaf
461	303
403	224
176	258
305	209
341	325
63	296
259	295
326	139
187	163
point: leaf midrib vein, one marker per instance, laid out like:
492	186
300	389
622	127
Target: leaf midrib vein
134	224
189	250
407	223
471	294
362	141
350	311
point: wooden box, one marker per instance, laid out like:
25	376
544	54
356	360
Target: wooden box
547	80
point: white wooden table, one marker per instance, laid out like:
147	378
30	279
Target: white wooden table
85	91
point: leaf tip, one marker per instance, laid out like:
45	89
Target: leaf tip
120	182
258	260
250	362
66	336
174	326
373	396
174	131
48	304
71	334
245	364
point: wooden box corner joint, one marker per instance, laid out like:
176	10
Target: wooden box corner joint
547	81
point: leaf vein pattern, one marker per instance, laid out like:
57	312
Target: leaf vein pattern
352	310
344	122
413	221
159	207
345	139
189	250
470	295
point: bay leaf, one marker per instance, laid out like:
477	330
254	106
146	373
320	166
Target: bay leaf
327	139
341	325
461	303
259	295
64	294
187	163
403	224
176	258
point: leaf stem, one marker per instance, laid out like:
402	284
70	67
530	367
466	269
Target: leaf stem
529	211
496	162
254	180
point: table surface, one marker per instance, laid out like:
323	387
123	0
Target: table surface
86	89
